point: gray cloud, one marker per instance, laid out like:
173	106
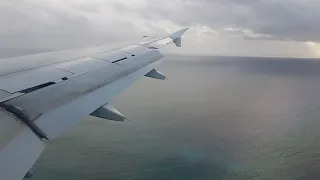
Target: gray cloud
45	25
74	23
297	20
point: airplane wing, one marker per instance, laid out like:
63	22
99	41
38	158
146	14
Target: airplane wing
43	95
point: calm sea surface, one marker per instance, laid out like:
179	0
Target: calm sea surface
216	118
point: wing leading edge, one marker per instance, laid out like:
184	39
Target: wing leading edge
42	100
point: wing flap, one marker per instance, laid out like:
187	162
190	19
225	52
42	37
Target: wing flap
135	49
110	56
83	65
23	63
27	79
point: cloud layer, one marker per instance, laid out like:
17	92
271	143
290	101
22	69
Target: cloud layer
287	24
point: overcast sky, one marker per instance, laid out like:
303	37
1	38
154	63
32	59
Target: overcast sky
233	27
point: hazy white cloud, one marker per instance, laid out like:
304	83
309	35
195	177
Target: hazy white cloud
256	27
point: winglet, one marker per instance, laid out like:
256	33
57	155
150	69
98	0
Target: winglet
176	37
163	41
178	34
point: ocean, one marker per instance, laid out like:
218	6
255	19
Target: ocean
216	118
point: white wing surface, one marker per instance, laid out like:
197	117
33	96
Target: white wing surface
43	95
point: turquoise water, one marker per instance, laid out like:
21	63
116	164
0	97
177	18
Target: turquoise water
215	118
